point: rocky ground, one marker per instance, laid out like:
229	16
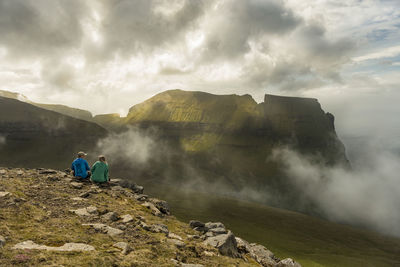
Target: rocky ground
49	219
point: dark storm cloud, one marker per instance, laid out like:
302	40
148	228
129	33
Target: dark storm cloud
40	28
235	23
132	26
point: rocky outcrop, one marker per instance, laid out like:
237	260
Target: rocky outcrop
66	247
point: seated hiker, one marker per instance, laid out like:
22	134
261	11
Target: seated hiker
100	171
80	167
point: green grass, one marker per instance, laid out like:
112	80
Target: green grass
311	241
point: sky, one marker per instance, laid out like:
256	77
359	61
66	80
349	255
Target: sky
106	56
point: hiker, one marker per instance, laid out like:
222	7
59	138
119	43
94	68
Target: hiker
100	171
80	167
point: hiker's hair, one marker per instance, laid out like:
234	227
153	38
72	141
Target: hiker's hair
102	158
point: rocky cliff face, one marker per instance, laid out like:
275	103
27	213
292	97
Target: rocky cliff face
31	135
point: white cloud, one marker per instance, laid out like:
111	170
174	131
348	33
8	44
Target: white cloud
382	53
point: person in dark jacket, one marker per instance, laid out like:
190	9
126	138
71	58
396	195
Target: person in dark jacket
80	167
100	171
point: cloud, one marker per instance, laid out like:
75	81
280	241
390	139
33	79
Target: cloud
382	53
366	196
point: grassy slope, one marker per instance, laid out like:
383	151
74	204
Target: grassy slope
311	241
44	218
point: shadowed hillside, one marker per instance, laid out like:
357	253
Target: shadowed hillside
31	135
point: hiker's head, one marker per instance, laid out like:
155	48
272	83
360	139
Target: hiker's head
102	158
81	154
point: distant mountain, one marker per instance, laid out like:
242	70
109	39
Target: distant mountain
72	112
35	136
229	139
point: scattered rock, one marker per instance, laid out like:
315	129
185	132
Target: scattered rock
126	218
66	247
85	212
19	173
212	225
153	208
177	243
124	247
288	263
4	194
161	205
2	172
194	224
76	185
191	265
78	199
226	244
140	197
209	253
174	236
138	189
2	241
47	171
105	229
85	194
117	188
201	229
159	228
110	217
218	231
242	245
262	255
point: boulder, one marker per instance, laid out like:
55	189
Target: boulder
226	244
242	245
174	236
2	241
124	247
159	228
153	208
288	263
177	243
76	185
66	247
5	194
105	229
161	205
92	209
201	229
194	224
85	212
138	189
262	255
2	172
126	218
110	217
218	231
211	225
140	197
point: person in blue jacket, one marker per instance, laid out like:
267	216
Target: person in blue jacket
80	167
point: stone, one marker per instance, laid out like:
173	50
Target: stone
124	247
211	225
105	229
92	210
177	243
194	224
4	194
20	173
161	205
153	208
209	253
85	212
226	244
127	218
288	263
85	194
117	188
218	231
191	265
2	241
262	255
159	228
242	245
76	185
47	171
145	226
66	247
140	197
2	172
175	236
138	189
201	229
110	217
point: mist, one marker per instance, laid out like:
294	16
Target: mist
367	195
